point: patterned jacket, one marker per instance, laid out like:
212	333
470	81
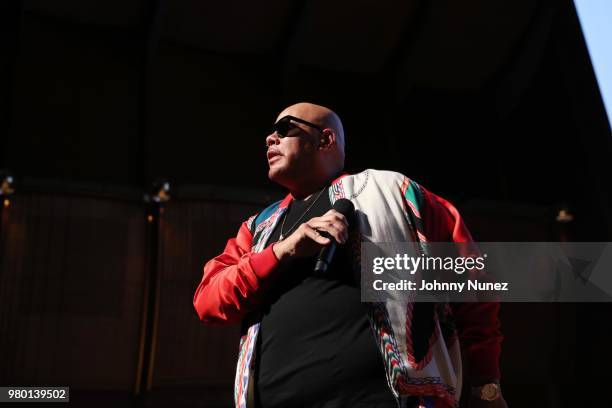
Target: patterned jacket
389	207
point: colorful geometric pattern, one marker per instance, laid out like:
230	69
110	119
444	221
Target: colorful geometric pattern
424	325
336	191
245	354
264	230
386	343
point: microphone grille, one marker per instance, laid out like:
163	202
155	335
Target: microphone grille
344	207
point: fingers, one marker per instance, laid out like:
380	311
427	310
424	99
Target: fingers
336	216
311	235
335	229
333	223
315	235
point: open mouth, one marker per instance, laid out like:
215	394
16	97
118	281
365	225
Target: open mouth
272	154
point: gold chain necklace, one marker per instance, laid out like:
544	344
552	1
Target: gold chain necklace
282	234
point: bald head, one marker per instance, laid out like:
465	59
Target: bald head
322	116
307	156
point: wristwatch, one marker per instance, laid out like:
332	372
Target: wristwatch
487	392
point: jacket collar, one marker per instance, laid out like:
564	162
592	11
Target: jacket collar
288	198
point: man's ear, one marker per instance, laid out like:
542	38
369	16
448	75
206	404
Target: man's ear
327	139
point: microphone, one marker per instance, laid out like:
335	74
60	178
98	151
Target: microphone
346	208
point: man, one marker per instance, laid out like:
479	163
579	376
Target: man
307	337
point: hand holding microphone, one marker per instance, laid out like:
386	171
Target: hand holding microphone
330	229
347	209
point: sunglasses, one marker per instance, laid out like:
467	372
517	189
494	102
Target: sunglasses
284	125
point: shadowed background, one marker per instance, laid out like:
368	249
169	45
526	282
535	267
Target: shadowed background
493	105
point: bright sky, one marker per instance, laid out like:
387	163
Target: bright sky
596	20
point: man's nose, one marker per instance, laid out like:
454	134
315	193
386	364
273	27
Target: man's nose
272	139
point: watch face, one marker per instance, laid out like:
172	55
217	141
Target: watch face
489	392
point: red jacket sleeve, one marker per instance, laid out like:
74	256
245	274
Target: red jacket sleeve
232	282
477	323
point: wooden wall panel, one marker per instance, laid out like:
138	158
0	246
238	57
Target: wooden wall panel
71	282
189	353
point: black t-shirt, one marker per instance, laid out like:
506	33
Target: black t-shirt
315	346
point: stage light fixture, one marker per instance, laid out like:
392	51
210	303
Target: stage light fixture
159	193
564	216
7	184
